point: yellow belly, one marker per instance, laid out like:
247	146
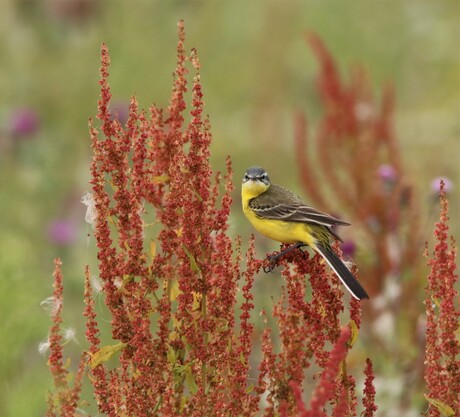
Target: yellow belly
284	232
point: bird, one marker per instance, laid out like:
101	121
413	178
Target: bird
281	215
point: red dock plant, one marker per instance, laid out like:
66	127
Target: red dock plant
179	300
442	353
65	400
173	321
354	156
359	160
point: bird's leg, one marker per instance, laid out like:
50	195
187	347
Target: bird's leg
273	259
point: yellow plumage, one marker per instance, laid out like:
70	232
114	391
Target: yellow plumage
284	232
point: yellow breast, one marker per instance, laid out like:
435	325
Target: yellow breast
281	231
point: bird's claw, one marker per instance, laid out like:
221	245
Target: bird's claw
272	260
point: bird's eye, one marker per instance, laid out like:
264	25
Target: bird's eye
246	177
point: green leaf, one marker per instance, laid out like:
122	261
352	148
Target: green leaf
159	179
157	405
354	332
171	356
104	354
174	290
190	381
443	408
192	259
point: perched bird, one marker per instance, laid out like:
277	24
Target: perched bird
282	216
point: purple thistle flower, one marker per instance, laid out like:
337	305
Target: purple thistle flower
62	232
387	173
348	248
24	122
436	185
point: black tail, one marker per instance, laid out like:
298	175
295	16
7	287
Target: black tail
337	265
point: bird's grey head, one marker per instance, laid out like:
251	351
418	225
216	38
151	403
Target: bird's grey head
256	174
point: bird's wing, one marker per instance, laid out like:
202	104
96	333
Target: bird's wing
294	213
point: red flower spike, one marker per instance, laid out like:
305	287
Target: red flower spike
342	407
442	363
349	383
55	361
67	395
104	112
369	391
98	374
302	411
325	389
91	322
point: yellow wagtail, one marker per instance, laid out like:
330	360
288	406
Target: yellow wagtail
281	215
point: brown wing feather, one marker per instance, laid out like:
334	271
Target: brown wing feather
278	203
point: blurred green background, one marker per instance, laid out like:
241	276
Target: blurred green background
256	72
